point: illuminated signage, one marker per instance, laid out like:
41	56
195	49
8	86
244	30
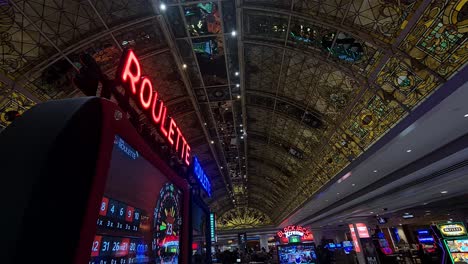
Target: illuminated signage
125	148
201	176
213	227
141	88
355	239
362	230
452	230
292	233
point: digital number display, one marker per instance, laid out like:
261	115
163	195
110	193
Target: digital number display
139	218
118	250
118	216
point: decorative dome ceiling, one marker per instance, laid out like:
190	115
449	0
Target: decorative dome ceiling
279	96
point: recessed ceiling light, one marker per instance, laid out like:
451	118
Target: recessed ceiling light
338	193
375	171
237	85
212	142
444	192
241	125
408	150
184	66
204	124
233	33
236	73
221	167
466	115
353	184
162	6
242	137
371	212
238	97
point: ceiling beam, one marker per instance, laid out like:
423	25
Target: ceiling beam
183	73
35	26
170	39
53	58
234	111
242	73
105	24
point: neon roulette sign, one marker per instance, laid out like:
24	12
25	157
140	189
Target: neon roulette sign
142	90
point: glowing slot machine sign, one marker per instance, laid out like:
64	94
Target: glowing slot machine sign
291	233
141	88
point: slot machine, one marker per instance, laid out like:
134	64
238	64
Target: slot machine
454	241
84	187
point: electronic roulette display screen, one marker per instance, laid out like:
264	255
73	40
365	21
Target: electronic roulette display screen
140	212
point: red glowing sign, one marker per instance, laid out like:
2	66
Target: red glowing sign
355	239
141	88
362	230
292	230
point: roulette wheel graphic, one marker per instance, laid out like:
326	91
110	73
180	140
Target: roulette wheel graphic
167	225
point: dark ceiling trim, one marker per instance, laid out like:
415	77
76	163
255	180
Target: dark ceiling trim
438	96
447	150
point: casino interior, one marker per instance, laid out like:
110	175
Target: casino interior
234	131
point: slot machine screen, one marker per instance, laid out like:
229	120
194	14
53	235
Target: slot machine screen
292	254
140	213
458	249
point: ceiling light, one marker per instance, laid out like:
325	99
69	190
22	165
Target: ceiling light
242	137
466	115
162	7
241	125
184	66
408	150
236	73
444	192
204	124
353	184
428	211
425	203
212	142
221	167
238	97
233	33
237	85
371	212
326	200
338	193
375	171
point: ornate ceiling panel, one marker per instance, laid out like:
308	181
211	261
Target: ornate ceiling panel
242	218
274	110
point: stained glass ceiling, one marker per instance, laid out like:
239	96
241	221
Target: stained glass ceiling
279	96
